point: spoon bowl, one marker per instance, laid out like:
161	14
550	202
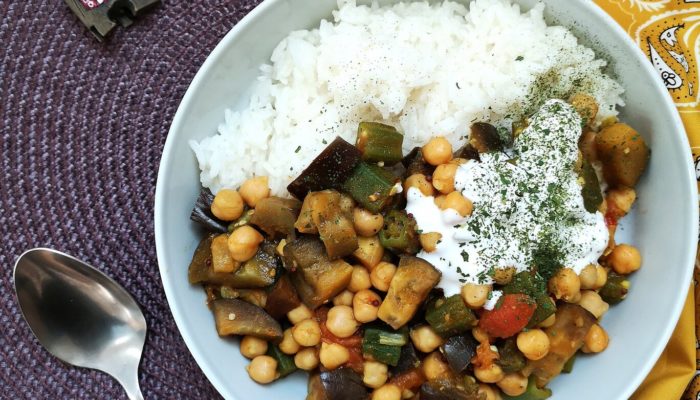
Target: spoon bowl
80	315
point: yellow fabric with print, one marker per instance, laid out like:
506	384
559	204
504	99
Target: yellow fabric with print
668	32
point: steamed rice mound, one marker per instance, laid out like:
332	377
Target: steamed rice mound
426	69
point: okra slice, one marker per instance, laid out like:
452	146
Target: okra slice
371	186
615	288
285	363
399	233
450	316
379	143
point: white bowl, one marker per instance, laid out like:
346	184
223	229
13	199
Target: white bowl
663	224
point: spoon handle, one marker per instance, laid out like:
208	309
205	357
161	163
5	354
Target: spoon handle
130	383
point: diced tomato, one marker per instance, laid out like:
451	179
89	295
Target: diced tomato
410	379
509	317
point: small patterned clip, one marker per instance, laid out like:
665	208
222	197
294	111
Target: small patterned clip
101	16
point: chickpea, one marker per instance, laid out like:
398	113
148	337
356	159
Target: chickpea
369	251
437	151
596	340
625	259
365	305
387	392
513	384
444	177
491	374
382	275
474	295
227	205
591	301
425	338
341	322
533	343
459	203
601	276
434	367
429	241
343	299
375	374
254	189
333	355
585	105
588	277
359	280
263	369
488	392
565	285
252	346
367	224
299	314
621	198
420	182
503	276
243	243
307	333
480	335
440	201
288	345
306	359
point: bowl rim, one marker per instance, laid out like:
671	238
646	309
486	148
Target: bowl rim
251	18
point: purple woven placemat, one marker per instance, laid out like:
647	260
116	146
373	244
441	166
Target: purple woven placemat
83	126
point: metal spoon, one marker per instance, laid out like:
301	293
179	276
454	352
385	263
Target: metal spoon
81	315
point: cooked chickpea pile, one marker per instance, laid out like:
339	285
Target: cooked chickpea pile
490	346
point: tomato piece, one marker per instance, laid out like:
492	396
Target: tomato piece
410	379
352	343
510	316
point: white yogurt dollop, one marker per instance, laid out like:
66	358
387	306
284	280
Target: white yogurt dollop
528	207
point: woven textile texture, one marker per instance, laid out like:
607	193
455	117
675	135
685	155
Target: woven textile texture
83	126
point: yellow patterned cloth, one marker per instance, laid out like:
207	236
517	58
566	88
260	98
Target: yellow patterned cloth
668	32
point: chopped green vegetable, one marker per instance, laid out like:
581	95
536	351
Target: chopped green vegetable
379	143
450	316
510	358
533	285
285	363
531	393
242	220
381	336
615	288
399	233
592	196
371	186
569	366
385	352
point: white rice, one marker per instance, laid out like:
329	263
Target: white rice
426	69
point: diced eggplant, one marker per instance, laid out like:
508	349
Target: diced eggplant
282	298
257	297
220	256
484	138
458	351
315	389
258	272
467	152
448	389
303	252
510	358
624	154
305	222
328	170
343	384
371	186
369	251
237	317
335	227
315	277
379	143
566	336
408	359
276	216
416	164
413	280
201	213
590	191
